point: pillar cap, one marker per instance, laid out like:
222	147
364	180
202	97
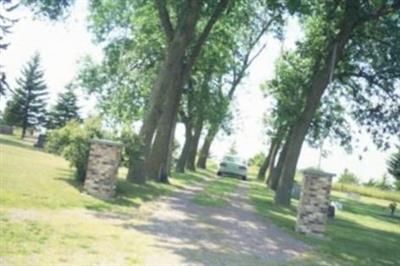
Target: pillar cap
314	172
107	142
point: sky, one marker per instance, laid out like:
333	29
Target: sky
63	44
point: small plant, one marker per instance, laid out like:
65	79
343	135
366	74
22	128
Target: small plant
73	143
392	208
348	177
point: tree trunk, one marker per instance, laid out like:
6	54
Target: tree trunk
319	83
180	166
275	170
205	149
171	150
23	131
155	165
168	83
192	151
269	158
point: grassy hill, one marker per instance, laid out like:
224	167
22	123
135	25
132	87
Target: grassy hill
46	220
362	233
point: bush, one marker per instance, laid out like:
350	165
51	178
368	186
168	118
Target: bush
132	147
258	159
348	178
73	143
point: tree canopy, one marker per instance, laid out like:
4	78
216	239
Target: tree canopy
27	107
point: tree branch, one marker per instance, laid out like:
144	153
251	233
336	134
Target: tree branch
222	5
165	19
247	60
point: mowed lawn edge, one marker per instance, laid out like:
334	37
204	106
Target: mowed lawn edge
362	233
33	178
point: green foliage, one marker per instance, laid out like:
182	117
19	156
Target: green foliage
348	177
370	183
257	159
132	146
397	185
73	143
133	50
394	165
384	183
289	90
27	107
52	9
65	110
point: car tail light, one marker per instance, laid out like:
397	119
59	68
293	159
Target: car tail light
222	164
242	168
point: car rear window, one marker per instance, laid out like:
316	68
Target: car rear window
233	159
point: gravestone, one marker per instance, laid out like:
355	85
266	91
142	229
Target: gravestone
41	141
314	202
102	169
7	130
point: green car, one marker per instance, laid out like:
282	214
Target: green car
233	165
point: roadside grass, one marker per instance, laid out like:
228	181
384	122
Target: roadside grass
32	178
52	237
368	191
217	192
46	220
362	233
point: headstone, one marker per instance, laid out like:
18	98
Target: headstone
7	130
41	141
314	203
102	170
296	191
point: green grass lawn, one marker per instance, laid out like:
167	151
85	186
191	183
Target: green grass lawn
32	178
368	191
362	233
43	214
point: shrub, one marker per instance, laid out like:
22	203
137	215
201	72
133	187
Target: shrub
348	178
258	159
132	146
73	143
394	165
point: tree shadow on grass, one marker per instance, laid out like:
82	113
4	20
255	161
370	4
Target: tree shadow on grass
351	241
347	242
18	144
128	194
372	210
232	235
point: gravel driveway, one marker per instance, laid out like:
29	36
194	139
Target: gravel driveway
188	234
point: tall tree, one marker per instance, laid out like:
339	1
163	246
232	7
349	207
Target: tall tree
337	36
65	110
394	165
42	8
27	107
184	45
260	20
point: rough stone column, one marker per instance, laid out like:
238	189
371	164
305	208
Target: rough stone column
314	202
102	170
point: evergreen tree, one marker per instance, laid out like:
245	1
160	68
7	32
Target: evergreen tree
66	109
27	107
394	166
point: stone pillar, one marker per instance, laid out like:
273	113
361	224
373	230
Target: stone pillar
314	202
102	170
